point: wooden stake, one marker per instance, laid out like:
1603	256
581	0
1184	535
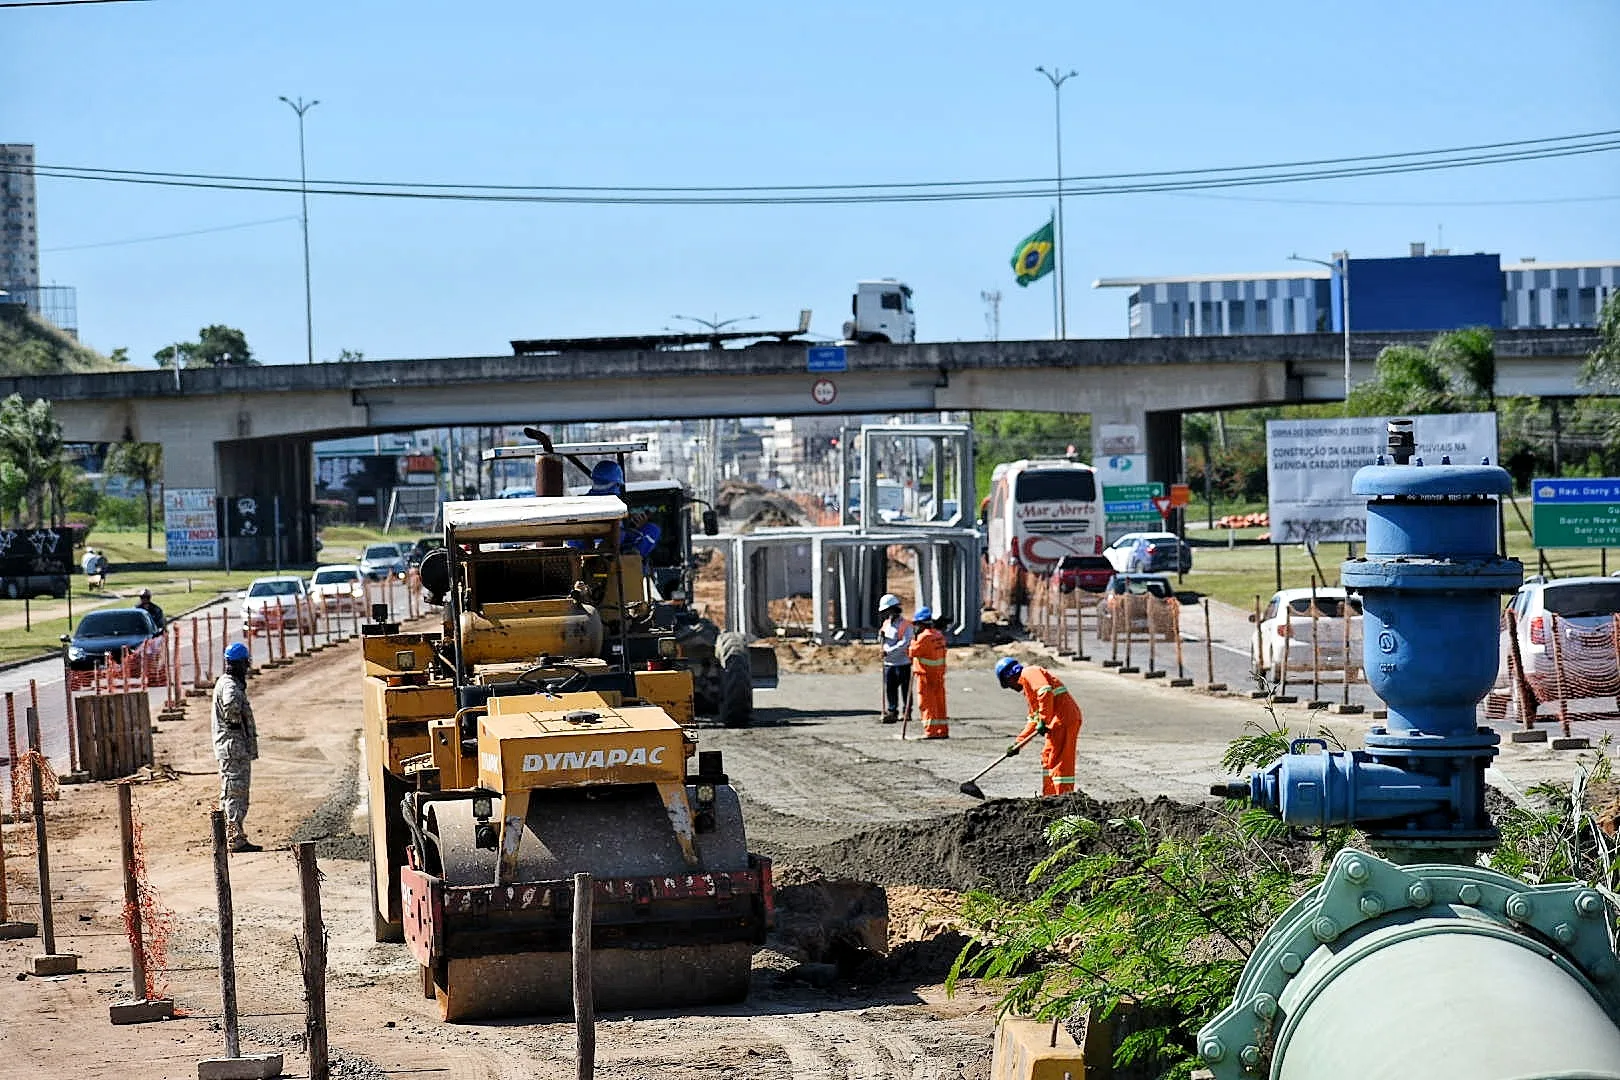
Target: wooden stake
227	934
312	960
132	892
584	1001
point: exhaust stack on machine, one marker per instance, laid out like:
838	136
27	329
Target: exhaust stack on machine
1460	970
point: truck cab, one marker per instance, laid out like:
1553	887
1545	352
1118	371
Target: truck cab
882	314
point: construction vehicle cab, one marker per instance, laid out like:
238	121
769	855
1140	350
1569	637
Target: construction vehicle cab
520	745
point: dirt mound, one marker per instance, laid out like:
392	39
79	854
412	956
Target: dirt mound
993	845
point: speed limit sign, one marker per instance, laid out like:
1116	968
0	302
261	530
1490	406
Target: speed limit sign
824	391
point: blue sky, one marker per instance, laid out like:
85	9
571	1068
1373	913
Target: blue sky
720	93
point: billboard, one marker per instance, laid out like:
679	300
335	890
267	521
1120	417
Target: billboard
1310	464
190	527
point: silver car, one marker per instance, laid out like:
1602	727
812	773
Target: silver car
381	561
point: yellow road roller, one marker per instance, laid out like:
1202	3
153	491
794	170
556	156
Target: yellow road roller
517	747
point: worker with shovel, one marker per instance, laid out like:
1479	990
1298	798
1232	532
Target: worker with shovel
1053	713
928	649
894	635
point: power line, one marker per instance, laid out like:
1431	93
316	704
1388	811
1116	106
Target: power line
62	3
1042	191
169	236
1550	201
1565	141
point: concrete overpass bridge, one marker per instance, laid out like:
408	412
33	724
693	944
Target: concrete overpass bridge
247	431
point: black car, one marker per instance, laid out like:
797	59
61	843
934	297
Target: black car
423	545
17	586
110	631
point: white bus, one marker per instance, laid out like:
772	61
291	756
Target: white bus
1038	512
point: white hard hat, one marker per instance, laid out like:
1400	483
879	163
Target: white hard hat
889	600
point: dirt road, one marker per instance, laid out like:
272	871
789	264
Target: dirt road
822	782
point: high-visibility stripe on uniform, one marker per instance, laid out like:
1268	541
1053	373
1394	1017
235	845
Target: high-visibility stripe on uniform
1054	690
930	663
1063	779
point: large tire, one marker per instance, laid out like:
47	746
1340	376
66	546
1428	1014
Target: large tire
736	681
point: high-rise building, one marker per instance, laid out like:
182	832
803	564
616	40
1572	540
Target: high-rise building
19	232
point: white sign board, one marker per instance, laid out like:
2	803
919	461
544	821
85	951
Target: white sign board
190	528
1117	470
1310	464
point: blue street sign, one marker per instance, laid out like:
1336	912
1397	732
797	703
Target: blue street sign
1576	491
826	358
1144	507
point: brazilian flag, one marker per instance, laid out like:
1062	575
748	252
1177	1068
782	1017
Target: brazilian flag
1032	258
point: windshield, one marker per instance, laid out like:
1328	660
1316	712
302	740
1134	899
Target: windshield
331	577
1582	598
1053	485
1142	586
1085	562
273	588
382	551
1327	607
114	624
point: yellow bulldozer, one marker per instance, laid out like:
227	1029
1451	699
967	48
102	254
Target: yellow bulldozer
518	746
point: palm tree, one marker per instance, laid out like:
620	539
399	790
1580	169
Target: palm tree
1198	429
142	462
1469	357
31	440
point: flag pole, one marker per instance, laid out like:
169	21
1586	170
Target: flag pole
1057	331
1059	286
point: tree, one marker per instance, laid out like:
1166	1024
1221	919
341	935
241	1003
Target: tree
142	462
31	441
1405	380
1602	367
349	356
216	346
1468	356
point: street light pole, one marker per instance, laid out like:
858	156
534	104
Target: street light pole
1340	263
711	426
1061	286
300	107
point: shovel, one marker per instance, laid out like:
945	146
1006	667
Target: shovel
970	787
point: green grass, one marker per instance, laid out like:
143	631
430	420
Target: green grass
1237	575
50	620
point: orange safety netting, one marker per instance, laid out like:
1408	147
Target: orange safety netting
156	921
1555	667
22	780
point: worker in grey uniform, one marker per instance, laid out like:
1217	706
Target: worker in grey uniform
236	744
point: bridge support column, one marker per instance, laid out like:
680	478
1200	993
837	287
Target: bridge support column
277	476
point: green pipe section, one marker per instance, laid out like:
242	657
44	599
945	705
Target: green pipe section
1426	973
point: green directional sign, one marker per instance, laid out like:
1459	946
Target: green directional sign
1576	513
1132	492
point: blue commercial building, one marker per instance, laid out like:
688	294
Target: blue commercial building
1434	291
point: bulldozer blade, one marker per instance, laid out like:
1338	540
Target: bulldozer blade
762	666
970	788
541	983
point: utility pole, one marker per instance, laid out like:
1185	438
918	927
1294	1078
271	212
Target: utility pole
301	108
1341	266
992	314
1061	286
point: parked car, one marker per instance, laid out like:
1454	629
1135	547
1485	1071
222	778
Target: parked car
1288	633
283	596
1127	597
107	633
1088	573
381	561
1149	552
1586	645
423	545
337	588
17	586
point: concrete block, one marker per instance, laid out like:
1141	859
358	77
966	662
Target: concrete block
1181	682
141	1011
1112	663
1349	710
1315	705
10	931
1024	1051
1128	669
1215	687
1284	699
1380	714
248	1067
56	964
1153	674
1572	742
1256	695
74	778
1532	735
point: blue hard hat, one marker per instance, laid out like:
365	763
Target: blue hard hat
924	614
236	651
1008	670
606	478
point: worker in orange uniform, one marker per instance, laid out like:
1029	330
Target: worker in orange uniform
1053	712
928	649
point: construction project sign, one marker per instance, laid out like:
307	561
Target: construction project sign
1310	465
1576	513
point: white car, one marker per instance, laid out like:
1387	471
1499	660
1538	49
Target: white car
1286	628
1149	553
1585	608
283	597
337	588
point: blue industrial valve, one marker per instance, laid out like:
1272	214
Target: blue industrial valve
1430	583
